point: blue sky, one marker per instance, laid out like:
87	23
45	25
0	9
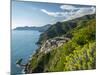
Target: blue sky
39	14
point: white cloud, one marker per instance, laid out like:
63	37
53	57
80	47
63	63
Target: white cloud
81	12
88	10
67	7
71	12
55	14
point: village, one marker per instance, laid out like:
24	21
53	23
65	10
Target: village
53	43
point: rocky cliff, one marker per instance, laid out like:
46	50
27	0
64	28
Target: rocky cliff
70	48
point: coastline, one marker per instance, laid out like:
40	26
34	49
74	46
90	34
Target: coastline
25	50
24	66
25	70
50	50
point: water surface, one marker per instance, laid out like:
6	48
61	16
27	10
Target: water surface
23	46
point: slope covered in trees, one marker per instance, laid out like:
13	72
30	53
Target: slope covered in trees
79	53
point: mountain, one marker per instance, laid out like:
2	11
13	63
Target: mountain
66	46
41	29
64	28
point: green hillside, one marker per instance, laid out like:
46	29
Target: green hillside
79	53
64	28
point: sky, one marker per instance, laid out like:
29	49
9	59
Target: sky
25	13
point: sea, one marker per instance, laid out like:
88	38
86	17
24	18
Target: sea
23	46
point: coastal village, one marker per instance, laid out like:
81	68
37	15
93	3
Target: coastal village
50	44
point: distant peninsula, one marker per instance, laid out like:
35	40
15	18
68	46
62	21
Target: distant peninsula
41	29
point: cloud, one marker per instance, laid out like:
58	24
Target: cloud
55	14
81	12
68	7
71	12
68	10
88	10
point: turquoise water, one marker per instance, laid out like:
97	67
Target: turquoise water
23	46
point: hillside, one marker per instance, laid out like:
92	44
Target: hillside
41	29
64	28
66	46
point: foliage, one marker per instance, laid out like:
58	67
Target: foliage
77	54
81	59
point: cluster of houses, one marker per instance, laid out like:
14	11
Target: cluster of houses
53	43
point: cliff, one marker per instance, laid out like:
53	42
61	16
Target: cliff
66	46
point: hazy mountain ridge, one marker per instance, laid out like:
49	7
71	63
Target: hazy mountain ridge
41	29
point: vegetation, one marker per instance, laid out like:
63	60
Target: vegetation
79	53
63	28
